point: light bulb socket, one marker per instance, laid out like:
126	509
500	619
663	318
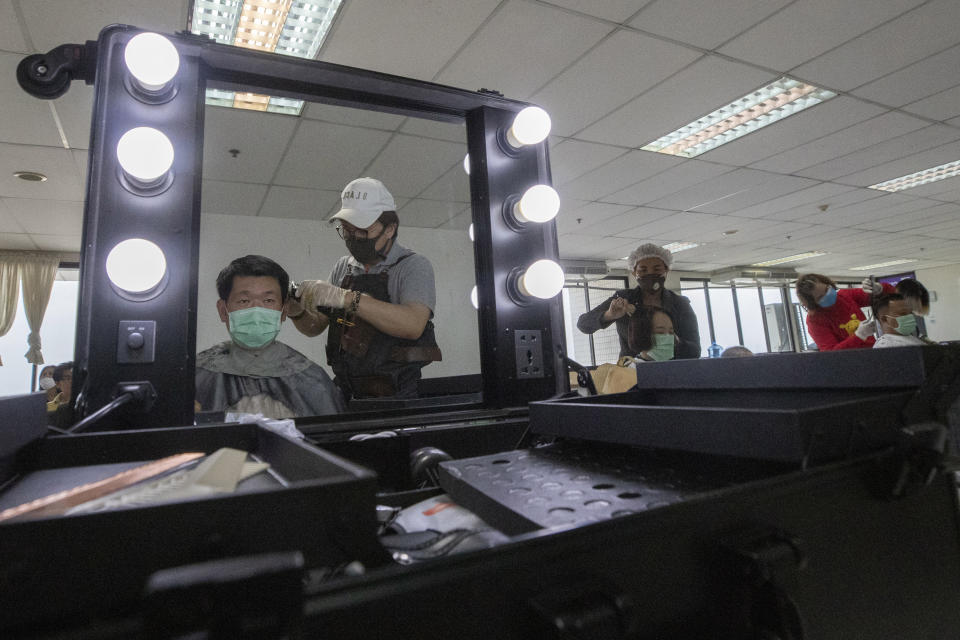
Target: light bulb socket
509	214
142	296
503	141
145	188
515	289
148	94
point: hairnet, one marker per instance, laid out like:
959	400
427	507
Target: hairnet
649	250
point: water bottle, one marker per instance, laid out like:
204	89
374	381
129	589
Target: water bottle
714	350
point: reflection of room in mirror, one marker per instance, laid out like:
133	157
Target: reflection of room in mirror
272	181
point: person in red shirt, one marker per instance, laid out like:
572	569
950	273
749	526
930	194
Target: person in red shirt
834	318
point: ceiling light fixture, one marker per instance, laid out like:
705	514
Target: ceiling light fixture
30	176
759	108
677	247
793	258
288	27
879	265
941	172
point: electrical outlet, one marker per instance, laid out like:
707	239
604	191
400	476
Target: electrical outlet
529	351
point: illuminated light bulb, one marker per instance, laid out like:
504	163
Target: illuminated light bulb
145	154
542	279
474	300
152	60
540	203
466	164
136	265
470	232
531	126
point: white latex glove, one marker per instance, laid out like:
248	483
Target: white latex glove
866	329
876	289
319	293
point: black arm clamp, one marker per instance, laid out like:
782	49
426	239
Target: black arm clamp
48	75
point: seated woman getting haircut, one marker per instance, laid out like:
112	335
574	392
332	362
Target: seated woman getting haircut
651	336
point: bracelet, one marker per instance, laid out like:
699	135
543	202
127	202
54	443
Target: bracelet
354	304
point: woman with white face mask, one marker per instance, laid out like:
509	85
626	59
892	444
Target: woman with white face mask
650	264
47	383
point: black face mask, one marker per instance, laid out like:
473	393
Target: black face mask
364	249
651	283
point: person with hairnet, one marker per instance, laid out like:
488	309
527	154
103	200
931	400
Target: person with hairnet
649	264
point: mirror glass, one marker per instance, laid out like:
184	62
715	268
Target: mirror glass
271	181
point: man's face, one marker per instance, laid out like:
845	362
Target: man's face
650	266
251	291
889	317
375	230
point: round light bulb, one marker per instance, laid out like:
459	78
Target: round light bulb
474	300
136	265
542	279
152	60
145	154
531	126
540	203
470	232
466	163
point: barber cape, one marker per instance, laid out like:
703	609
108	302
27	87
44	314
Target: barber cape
277	381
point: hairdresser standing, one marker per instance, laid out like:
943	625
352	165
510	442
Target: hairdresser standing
649	264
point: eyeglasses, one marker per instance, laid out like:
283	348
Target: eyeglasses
344	233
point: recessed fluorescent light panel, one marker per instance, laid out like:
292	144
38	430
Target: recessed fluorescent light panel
755	110
926	176
676	247
793	258
289	27
880	265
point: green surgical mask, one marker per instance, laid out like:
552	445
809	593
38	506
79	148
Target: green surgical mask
662	347
906	325
254	327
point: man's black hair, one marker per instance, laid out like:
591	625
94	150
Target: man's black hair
61	369
390	217
881	302
252	265
910	288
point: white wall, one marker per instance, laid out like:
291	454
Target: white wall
308	249
943	323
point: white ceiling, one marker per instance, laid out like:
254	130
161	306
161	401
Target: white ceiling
614	74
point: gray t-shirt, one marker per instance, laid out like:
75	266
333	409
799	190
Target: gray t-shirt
411	280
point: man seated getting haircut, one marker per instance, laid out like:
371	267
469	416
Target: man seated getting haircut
252	372
894	313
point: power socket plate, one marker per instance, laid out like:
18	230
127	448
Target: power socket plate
529	352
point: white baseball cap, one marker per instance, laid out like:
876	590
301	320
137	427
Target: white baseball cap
364	200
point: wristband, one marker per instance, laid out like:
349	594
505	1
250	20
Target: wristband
354	304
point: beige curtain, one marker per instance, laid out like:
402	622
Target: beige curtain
9	293
37	273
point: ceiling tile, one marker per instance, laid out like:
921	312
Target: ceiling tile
588	218
943	154
352	117
75	110
49	26
941	106
450	131
623	224
704	86
316	157
413	38
872	156
430	213
842	142
260	137
704	24
788	134
18	242
55	217
709	191
617	174
8	223
232	198
409	164
515	33
614	10
453	186
920	80
685	174
462	221
63	177
778	43
571	158
305	204
607	77
56	242
26	120
921	32
771	188
814	195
